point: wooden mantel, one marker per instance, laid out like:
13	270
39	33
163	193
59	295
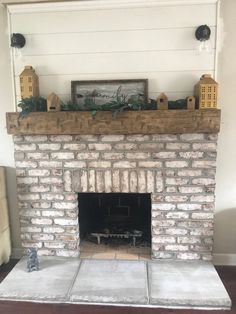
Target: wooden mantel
129	122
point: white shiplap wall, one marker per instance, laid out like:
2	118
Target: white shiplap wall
83	42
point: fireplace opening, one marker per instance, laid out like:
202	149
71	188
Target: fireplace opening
115	225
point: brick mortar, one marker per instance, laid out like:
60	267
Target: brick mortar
179	171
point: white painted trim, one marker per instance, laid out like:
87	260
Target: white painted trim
224	259
98	5
17	253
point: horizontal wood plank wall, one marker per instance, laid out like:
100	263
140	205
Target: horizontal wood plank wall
157	43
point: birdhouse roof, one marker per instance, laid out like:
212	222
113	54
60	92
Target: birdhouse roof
207	79
28	71
162	96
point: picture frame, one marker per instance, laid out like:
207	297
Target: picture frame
104	92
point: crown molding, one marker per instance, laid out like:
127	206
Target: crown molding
98	5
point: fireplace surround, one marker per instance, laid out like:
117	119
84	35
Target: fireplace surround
177	169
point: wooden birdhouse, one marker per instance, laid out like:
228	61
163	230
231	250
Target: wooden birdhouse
191	102
162	102
206	92
29	83
53	103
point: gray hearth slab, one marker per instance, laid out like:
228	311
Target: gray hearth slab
116	281
51	283
186	284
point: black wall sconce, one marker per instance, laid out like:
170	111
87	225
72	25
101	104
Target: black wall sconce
17	40
203	34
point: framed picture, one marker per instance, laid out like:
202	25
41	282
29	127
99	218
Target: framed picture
109	92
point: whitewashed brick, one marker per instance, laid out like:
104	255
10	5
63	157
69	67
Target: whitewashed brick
108	183
163	223
124	181
176	198
171	189
29	197
151	147
67	253
176	247
87	156
53	213
65	222
205	216
84	181
71	197
202	198
163	206
74	146
50	164
113	156
60	138
192	137
188	256
133	182
36	138
27	180
31	244
39	172
41	221
164	155
54	245
163	239
91	181
203	181
74	164
99	146
191	155
141	181
67	181
49	146
18	138
124	164
26	164
176	164
190	189
189	206
176	231
51	180
30	213
138	138
150	164
159	182
188	240
19	155
25	147
164	137
39	188
116	181
177	215
60	155
162	255
205	146
20	172
52	197
53	229
99	164
86	138
111	138
204	164
42	204
201	232
177	146
189	173
46	252
125	146
31	229
212	137
177	181
43	237
150	181
100	182
137	155
64	205
37	156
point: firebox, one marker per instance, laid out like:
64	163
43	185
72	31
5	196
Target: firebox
115	222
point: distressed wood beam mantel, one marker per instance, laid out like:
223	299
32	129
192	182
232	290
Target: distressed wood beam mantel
129	122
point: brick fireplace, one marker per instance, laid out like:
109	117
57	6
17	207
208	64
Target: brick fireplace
178	170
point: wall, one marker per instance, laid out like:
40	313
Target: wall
225	219
6	147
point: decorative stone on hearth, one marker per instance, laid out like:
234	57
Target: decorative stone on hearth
29	83
53	102
206	92
162	102
32	260
191	102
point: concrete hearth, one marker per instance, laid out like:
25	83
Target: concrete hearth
175	284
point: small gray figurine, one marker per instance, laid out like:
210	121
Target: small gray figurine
32	260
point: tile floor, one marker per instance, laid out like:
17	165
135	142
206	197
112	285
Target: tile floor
91	250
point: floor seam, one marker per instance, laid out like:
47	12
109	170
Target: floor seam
67	298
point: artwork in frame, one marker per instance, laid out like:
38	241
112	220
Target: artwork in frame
109	93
